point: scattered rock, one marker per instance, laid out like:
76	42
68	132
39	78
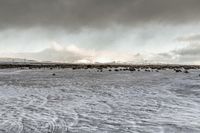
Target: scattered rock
177	70
74	68
186	71
116	70
147	70
131	69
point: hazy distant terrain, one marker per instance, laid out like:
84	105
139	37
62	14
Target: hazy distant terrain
87	101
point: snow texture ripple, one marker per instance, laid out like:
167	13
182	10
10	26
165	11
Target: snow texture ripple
86	101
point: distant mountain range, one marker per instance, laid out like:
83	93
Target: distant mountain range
16	60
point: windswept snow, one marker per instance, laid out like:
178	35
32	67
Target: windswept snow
86	101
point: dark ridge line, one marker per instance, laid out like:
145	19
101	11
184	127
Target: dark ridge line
97	66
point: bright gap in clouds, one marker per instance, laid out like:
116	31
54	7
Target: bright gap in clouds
83	55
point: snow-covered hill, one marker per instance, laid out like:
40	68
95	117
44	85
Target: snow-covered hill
16	60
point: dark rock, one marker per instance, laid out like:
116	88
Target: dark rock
186	71
74	68
147	70
177	70
116	70
131	69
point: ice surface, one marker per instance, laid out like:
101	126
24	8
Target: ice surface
86	101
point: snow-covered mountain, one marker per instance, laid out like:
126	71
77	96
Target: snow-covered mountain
16	60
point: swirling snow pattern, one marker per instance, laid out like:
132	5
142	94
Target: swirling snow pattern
83	101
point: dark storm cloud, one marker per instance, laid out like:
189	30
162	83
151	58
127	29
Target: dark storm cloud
76	14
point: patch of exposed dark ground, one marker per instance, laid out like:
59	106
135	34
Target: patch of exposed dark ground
125	67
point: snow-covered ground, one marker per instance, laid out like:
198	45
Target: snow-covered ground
86	101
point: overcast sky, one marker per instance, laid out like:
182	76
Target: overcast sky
136	31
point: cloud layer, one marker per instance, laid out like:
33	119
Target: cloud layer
74	54
77	14
111	27
191	52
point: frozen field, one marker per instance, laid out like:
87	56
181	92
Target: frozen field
86	101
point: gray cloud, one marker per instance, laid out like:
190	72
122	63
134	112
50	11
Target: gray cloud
191	50
190	38
77	14
189	54
74	54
